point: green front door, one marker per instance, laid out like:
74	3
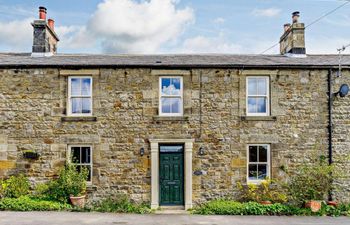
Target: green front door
171	174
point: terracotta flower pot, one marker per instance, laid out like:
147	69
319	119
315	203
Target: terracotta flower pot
266	203
78	201
332	203
315	206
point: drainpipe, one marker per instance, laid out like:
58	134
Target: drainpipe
330	124
330	121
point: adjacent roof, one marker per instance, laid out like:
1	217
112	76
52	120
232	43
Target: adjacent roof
9	60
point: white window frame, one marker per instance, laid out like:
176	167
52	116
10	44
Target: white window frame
268	169
69	100
82	164
181	95
267	113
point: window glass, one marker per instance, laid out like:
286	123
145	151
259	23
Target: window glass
171	98
80	96
258	162
257	96
261	86
262	154
253	153
81	157
86	105
253	172
262	171
86	86
75	87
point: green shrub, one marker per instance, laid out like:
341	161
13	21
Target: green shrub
312	181
119	204
228	207
41	191
267	190
15	186
25	203
70	182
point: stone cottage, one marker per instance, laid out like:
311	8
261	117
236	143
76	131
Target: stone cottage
171	129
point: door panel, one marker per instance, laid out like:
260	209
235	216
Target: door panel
171	178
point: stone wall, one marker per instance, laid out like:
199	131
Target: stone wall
125	104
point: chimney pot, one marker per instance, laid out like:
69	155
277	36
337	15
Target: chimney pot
295	16
286	27
42	13
51	24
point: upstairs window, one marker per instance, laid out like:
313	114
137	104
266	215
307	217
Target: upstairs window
258	96
80	96
258	163
170	96
81	156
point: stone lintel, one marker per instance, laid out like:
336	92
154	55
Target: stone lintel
170	72
259	72
82	72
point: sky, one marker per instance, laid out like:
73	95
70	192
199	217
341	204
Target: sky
174	26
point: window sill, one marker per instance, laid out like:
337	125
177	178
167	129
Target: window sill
79	119
170	118
258	118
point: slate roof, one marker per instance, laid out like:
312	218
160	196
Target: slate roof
9	60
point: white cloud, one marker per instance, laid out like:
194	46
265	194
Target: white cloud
269	12
322	45
202	44
138	27
17	34
74	37
219	20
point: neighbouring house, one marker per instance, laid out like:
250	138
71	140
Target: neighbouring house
170	129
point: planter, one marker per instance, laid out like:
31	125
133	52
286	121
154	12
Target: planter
315	206
78	201
266	203
332	203
31	155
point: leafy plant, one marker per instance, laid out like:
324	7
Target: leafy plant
312	181
70	182
15	186
119	203
267	190
41	191
25	203
229	207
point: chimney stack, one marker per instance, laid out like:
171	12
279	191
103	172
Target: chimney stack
292	42
44	37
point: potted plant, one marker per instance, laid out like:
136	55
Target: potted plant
311	183
72	184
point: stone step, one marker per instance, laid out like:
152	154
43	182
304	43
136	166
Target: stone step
172	210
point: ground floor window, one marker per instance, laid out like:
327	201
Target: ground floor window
82	157
258	162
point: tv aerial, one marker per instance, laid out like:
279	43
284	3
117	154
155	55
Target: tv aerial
340	51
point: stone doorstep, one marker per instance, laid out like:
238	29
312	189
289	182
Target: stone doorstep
172	210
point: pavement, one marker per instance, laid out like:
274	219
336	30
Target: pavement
75	218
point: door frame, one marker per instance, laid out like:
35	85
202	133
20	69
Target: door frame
183	171
188	144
